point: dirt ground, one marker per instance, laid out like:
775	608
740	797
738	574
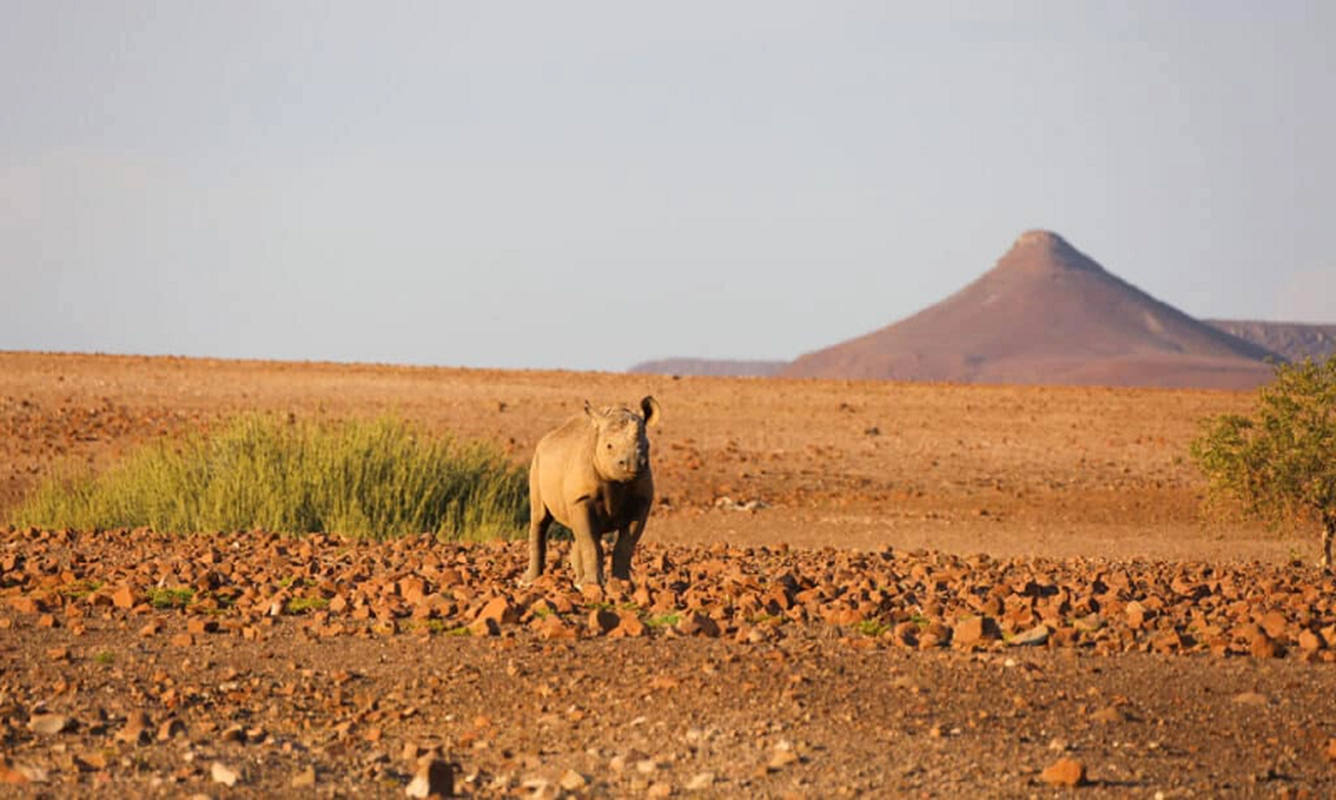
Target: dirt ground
847	588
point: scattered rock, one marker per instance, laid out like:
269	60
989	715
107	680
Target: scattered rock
50	724
697	624
221	773
433	777
304	779
1033	637
137	729
1109	715
1064	772
499	610
973	631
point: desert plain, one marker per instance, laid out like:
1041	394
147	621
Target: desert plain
846	588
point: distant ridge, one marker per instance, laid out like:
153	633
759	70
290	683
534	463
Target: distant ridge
1295	341
710	367
1047	313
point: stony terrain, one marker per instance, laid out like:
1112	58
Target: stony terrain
847	589
169	664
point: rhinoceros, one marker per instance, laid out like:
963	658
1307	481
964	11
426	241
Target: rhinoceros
592	475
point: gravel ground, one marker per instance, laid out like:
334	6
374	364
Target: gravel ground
250	664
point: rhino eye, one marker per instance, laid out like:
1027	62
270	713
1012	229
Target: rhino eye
609	445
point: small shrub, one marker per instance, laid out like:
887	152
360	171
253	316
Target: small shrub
374	479
105	658
663	620
1279	463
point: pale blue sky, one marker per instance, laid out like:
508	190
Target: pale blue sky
586	185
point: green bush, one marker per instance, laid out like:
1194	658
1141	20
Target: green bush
1280	461
371	479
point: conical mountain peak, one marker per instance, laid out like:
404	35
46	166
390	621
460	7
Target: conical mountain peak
1040	251
1046	313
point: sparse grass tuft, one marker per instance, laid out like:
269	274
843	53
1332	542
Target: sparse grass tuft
663	620
80	589
300	605
370	479
105	658
871	627
175	597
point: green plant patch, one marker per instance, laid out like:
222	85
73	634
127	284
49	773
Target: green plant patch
300	605
375	479
663	620
105	658
173	597
80	589
871	627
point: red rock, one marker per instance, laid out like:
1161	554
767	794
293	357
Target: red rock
629	627
183	640
201	625
697	624
554	627
1265	647
25	604
844	616
1136	615
11	774
973	631
484	626
124	597
1064	772
1275	624
412	589
499	610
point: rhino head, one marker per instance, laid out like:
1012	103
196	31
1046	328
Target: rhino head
621	448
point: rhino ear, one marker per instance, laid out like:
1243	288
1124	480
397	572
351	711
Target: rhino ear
650	408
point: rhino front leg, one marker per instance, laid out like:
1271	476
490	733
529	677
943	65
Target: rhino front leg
587	549
627	539
539	521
